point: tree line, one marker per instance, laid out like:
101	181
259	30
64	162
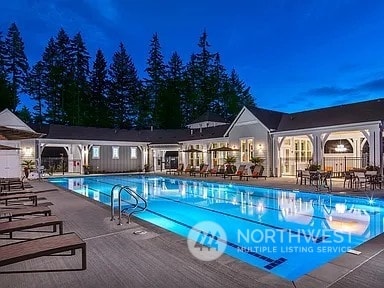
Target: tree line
67	88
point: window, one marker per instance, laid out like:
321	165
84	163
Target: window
133	152
115	152
96	152
246	149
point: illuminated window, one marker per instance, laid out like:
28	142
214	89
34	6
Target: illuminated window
96	152
115	152
133	153
246	149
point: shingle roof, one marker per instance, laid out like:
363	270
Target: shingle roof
157	136
269	118
372	110
209	116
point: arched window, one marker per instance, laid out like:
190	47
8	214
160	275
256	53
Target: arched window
338	146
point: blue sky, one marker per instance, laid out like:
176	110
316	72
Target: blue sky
294	54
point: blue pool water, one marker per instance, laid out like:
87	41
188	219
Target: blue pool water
287	233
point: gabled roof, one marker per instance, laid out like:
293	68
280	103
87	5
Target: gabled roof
366	111
209	117
269	118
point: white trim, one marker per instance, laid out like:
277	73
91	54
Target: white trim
325	129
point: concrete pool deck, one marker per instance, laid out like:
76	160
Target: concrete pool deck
117	257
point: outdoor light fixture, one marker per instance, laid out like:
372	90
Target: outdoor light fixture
340	147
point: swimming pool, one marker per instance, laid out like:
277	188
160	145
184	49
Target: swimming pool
287	233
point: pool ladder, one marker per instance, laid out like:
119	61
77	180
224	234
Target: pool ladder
133	194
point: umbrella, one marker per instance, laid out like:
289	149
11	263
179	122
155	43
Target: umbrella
191	150
223	149
5	147
17	134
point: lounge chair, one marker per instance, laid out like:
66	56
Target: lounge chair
179	169
10	213
204	171
11	183
30	196
21	251
19	225
241	171
256	173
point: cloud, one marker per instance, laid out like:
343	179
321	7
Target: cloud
373	85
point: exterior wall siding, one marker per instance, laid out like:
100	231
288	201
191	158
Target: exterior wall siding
124	164
260	136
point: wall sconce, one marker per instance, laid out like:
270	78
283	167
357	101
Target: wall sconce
260	146
28	151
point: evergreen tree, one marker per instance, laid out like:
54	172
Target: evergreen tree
125	89
2	56
154	84
169	104
24	115
243	93
35	89
5	94
78	109
52	82
5	88
15	63
99	114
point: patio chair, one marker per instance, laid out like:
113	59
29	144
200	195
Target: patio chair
204	171
256	173
17	212
179	169
19	225
45	246
242	171
360	180
30	196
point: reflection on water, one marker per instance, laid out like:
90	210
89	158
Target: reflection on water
284	208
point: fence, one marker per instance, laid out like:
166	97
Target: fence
55	164
338	165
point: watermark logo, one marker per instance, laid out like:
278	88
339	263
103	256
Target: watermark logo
207	241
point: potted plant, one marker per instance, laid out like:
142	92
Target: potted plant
256	161
86	169
28	165
229	161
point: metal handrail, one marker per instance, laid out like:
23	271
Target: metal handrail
112	202
134	194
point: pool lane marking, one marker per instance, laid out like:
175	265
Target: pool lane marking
272	263
315	239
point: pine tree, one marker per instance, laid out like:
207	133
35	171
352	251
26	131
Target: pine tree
79	77
15	63
5	88
125	89
98	93
170	103
35	89
24	115
154	84
52	82
242	91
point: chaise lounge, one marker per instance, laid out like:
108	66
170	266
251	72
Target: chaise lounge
21	251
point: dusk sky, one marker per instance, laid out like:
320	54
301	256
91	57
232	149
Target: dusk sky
294	54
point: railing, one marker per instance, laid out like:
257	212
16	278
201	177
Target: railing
338	165
133	194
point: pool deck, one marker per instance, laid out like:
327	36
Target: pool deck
117	257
